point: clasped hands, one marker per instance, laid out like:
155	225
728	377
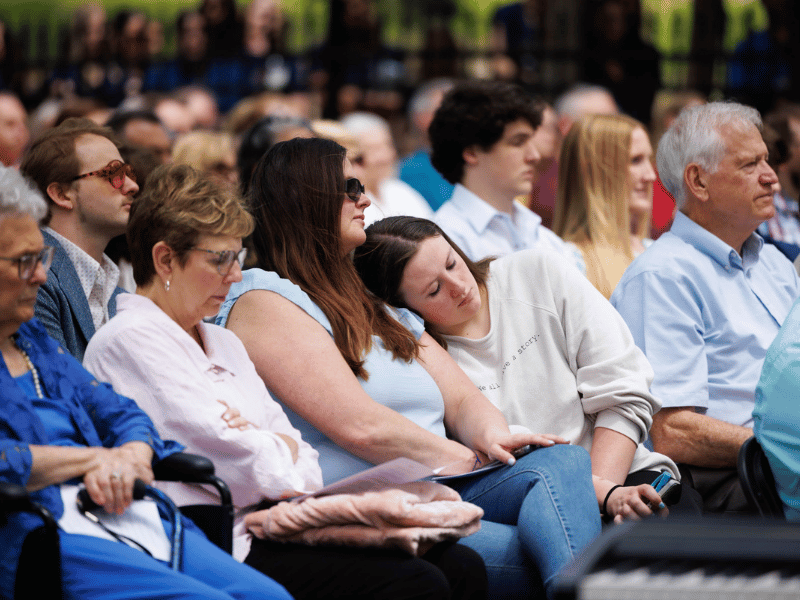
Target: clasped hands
110	480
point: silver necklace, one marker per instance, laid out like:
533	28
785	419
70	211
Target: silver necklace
36	384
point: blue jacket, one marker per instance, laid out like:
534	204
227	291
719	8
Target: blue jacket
102	416
62	306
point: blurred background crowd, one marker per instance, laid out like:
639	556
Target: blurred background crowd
194	80
323	59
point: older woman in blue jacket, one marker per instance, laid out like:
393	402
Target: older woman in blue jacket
59	427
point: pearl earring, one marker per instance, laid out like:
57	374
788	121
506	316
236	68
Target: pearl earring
166	285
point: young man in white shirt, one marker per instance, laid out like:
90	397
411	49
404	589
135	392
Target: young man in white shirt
482	139
89	188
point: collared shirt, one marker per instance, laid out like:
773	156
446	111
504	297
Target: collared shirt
146	355
100	415
785	225
481	230
97	280
704	316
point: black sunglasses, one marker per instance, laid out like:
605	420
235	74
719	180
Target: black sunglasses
353	188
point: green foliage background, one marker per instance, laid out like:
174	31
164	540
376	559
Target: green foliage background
667	24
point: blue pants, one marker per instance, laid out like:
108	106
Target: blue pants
94	568
537	514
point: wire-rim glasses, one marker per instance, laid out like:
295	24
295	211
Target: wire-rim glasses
224	259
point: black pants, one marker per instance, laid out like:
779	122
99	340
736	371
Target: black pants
720	488
446	571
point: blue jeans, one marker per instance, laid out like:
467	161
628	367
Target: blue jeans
542	512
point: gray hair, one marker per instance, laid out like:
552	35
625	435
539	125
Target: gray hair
694	137
19	197
425	99
570	103
360	122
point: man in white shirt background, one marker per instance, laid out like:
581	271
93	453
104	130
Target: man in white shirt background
482	139
78	169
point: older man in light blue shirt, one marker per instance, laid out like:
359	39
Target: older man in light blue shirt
708	298
482	137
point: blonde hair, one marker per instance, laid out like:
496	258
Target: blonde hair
328	129
203	150
593	188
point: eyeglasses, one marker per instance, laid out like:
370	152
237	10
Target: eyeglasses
353	188
27	262
115	172
224	259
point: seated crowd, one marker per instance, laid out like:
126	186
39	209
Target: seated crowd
282	295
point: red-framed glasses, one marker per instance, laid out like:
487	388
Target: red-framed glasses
115	173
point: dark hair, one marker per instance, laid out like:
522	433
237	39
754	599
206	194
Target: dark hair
258	139
178	207
296	196
779	136
476	114
119	119
391	243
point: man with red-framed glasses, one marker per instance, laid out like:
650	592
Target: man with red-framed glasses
89	188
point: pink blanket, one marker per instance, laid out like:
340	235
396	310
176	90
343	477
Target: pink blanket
412	517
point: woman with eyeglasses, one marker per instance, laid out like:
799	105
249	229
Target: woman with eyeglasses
60	427
364	383
198	385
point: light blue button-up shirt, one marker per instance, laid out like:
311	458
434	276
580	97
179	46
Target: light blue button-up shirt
481	230
705	316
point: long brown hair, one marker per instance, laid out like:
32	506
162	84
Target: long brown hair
391	243
296	197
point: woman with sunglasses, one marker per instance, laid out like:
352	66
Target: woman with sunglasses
61	428
198	385
364	384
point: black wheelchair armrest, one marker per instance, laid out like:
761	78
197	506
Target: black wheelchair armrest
182	466
192	468
13	497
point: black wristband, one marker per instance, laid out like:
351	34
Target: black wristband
604	511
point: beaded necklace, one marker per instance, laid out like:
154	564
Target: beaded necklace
36	384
